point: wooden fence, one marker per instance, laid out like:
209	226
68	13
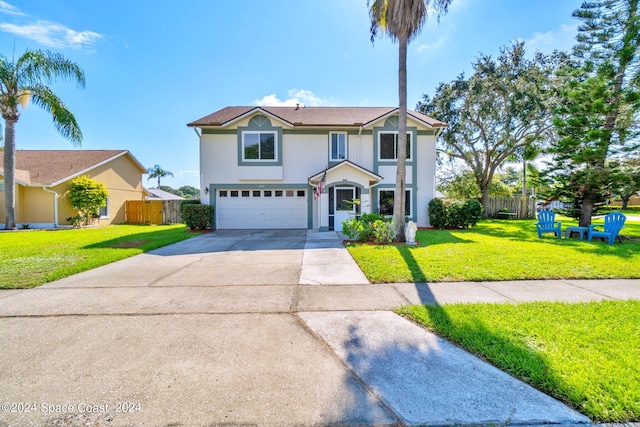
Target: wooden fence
513	205
153	211
171	212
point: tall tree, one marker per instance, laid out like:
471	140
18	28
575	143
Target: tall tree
27	79
626	183
502	109
597	118
157	172
401	21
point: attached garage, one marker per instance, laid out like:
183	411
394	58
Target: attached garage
261	209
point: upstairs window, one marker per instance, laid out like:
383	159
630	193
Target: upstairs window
338	149
389	145
257	146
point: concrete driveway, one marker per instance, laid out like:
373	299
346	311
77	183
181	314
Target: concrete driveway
274	328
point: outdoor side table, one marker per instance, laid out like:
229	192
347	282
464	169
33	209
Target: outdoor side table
582	232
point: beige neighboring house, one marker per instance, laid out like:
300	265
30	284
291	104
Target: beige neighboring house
42	182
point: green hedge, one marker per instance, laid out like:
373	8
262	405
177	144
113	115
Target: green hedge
454	214
197	216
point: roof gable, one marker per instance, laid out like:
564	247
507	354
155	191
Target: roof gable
52	167
346	164
313	116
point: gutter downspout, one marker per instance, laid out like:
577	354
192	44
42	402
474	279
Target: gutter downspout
55	205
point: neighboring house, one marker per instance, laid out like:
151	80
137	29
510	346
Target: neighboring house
261	166
157	194
633	201
42	181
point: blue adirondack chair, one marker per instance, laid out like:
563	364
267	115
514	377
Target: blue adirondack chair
547	224
613	223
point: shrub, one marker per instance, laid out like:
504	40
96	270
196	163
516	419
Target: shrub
354	229
454	214
370	227
370	218
437	214
87	196
196	216
383	231
473	211
189	202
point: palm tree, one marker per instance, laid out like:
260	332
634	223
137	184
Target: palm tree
402	20
27	79
157	172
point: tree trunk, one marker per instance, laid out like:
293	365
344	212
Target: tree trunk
524	211
9	174
401	173
484	201
625	202
585	213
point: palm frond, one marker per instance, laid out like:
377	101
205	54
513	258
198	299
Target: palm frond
402	17
36	67
63	119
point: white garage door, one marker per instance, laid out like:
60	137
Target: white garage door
261	209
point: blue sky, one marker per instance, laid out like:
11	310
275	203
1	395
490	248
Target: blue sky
152	67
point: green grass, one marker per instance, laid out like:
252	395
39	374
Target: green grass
31	258
585	355
500	250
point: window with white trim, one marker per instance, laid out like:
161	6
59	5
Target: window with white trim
388	145
257	146
104	211
338	146
385	202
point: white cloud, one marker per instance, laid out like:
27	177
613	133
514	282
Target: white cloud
54	35
437	44
9	9
562	39
294	96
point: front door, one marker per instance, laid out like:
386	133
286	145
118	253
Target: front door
342	208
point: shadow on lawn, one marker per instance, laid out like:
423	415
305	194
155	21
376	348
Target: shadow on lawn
512	356
438	237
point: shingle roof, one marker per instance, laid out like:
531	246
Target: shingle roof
312	116
47	167
157	194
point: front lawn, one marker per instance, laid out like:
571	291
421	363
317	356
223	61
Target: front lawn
585	355
31	258
500	250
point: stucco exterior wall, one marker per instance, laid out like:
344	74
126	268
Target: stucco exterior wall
123	180
35	207
305	152
426	175
121	176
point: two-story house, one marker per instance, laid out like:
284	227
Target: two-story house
261	166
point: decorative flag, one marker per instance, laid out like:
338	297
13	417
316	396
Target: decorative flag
318	191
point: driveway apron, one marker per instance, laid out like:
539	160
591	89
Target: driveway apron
258	327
